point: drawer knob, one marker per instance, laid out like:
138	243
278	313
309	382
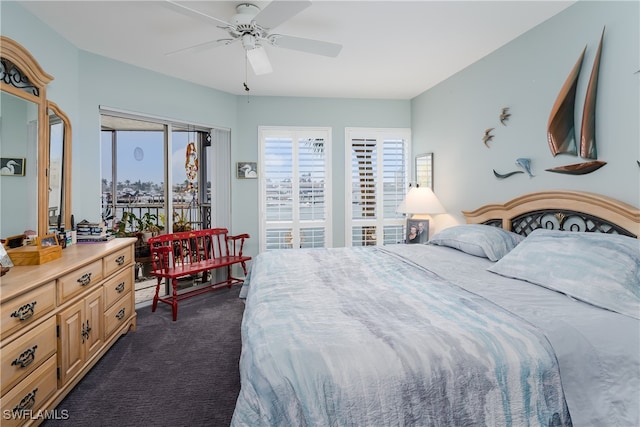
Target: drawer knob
26	403
85	279
120	287
25	358
120	260
25	312
120	314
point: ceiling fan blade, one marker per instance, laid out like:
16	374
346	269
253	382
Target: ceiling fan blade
177	7
277	12
202	46
317	47
259	60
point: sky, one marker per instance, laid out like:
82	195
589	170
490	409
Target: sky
140	156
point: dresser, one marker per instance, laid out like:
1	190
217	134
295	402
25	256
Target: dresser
57	320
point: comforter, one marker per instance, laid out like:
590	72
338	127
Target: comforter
364	336
598	350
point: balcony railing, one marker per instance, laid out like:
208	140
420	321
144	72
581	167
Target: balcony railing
196	216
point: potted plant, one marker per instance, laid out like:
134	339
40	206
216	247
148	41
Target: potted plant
131	226
148	225
127	226
180	223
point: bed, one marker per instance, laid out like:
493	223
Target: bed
526	315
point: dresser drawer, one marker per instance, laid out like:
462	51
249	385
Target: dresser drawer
117	315
117	260
22	402
118	286
81	279
25	354
26	308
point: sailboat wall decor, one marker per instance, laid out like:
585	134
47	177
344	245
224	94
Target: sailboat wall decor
561	129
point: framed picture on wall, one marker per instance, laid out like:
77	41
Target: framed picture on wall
12	166
246	170
424	170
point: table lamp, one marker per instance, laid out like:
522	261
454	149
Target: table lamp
417	205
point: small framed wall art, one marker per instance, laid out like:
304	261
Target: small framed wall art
12	166
246	170
424	170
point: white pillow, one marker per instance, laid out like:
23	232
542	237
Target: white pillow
601	269
477	239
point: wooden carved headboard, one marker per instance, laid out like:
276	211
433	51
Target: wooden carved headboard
560	210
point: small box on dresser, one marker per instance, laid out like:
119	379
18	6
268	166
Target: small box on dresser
34	255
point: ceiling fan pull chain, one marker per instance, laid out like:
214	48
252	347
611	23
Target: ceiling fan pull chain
246	76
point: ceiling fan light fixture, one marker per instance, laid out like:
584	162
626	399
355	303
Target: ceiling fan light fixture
251	25
259	60
248	41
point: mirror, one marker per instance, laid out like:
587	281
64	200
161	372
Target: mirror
27	121
18	163
59	208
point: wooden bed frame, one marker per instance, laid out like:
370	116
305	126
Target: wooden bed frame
560	210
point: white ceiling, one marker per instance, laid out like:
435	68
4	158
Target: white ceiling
391	49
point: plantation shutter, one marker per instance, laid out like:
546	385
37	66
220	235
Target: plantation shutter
295	188
378	161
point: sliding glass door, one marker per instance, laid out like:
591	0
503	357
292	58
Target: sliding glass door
160	168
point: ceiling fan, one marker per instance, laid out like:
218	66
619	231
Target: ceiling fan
252	27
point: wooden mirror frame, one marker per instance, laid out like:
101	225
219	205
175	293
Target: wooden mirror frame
39	79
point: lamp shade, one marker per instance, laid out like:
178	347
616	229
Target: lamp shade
421	200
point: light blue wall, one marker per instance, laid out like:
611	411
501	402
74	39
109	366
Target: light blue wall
108	83
448	119
324	112
526	75
84	81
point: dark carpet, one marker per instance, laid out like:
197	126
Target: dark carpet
166	373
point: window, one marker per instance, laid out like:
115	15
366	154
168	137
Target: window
156	166
378	161
294	187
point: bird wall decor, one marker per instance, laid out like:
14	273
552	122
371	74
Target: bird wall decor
11	168
504	116
487	136
521	162
505	175
526	165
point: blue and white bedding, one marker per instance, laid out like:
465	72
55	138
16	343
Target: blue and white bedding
390	336
598	350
